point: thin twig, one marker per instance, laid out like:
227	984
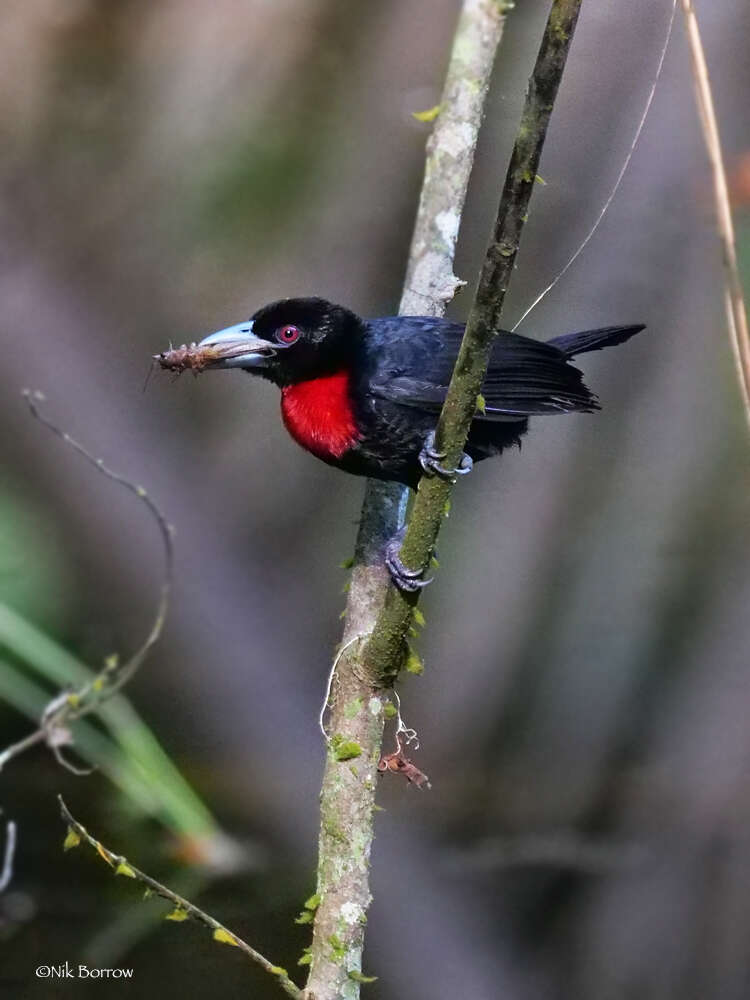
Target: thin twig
67	707
16	749
6	874
184	909
735	302
618	180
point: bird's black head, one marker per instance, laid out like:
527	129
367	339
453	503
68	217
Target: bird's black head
289	341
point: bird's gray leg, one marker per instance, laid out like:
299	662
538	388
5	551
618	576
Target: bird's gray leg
430	460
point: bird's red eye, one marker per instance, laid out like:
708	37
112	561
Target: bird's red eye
288	334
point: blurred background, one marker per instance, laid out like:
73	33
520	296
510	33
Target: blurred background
168	168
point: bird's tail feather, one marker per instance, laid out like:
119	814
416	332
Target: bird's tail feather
572	344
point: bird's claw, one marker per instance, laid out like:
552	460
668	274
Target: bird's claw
408	580
430	459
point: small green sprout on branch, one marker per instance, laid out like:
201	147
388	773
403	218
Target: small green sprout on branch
182	909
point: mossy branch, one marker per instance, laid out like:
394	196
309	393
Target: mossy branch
357	712
385	649
378	616
183	909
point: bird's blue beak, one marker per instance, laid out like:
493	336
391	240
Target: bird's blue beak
236	347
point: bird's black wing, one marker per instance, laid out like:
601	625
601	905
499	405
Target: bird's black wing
415	358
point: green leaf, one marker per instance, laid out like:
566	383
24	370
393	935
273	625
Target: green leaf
177	914
358	977
72	839
481	403
337	947
313	902
224	937
419	618
123	868
305	917
389	710
429	115
413	663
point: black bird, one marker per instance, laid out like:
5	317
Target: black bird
364	395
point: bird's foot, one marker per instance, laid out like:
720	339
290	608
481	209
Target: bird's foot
430	459
408	580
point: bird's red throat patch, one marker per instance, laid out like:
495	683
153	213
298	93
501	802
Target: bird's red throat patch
319	416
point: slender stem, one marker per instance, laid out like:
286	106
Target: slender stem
183	908
357	710
69	706
735	303
6	872
615	187
15	749
385	650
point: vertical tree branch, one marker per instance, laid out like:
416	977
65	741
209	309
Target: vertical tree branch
735	303
373	656
357	710
430	283
384	651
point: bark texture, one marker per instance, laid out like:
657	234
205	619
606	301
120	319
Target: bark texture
357	703
382	656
